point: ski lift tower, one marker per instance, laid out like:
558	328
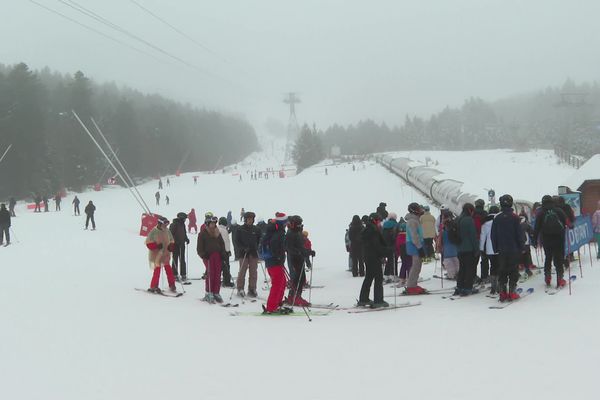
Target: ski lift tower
292	129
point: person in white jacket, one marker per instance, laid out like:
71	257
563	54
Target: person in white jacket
227	282
485	246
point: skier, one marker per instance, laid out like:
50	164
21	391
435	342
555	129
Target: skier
414	247
242	213
160	185
229	218
11	206
383	214
468	251
550	223
525	258
4	224
485	246
405	259
160	244
38	202
90	209
508	240
390	231
596	227
168	182
297	253
75	203
428	224
167	199
57	200
180	239
479	219
192	221
273	252
46	209
356	246
226	268
374	248
448	249
309	250
195	180
247	238
211	248
157	197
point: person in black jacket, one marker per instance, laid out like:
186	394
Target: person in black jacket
4	224
11	206
508	240
356	246
90	209
247	237
180	237
550	223
75	203
294	246
374	251
383	214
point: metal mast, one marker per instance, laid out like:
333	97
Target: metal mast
292	129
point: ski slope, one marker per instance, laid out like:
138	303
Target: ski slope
72	327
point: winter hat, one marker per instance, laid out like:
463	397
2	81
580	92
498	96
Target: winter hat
181	215
547	199
279	216
382	204
506	201
494	210
415	208
248	215
392	215
162	220
479	203
425	208
223	221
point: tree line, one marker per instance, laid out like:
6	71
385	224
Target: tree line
566	117
151	134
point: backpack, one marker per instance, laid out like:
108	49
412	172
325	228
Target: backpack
453	233
264	246
552	223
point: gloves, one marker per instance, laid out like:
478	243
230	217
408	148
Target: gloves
171	247
187	241
422	252
312	253
154	246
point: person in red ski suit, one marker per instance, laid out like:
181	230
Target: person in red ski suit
273	253
192	221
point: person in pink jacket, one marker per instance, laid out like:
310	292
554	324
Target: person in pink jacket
596	226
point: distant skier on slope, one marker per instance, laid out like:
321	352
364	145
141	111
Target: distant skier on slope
75	203
160	244
4	224
192	221
90	209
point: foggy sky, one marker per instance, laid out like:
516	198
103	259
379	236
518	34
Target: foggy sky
350	60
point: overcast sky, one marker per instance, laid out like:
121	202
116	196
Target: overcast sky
350	60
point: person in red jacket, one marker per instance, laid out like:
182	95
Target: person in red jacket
192	221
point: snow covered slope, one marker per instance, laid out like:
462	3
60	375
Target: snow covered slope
72	327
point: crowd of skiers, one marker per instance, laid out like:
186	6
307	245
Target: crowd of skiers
497	239
281	239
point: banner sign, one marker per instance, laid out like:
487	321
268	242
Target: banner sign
574	200
581	234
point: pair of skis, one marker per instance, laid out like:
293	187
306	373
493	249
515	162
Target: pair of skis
161	293
552	291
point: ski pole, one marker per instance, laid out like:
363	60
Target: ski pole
239	274
580	269
180	262
312	262
590	251
299	277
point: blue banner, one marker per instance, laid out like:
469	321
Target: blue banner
581	234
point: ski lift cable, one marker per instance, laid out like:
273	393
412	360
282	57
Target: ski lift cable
120	163
146	210
5	152
95	30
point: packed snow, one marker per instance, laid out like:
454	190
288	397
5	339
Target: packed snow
74	328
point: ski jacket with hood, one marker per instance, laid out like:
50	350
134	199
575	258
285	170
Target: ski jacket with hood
507	234
414	234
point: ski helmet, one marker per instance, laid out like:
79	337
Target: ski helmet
181	215
494	210
223	221
162	220
506	200
479	203
415	208
248	215
547	199
295	221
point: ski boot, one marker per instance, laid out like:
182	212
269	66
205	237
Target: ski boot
560	282
241	293
513	296
381	304
364	303
415	290
218	298
209	298
494	283
155	290
252	293
227	284
172	289
503	297
548	280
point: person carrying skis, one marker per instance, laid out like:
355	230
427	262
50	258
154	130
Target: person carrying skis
157	197
596	227
296	252
485	246
273	252
90	209
4	224
429	233
180	239
11	206
211	249
248	237
57	200
75	203
226	267
508	240
192	221
374	249
550	223
390	231
160	244
415	247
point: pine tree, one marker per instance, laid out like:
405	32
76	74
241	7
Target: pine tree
308	149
